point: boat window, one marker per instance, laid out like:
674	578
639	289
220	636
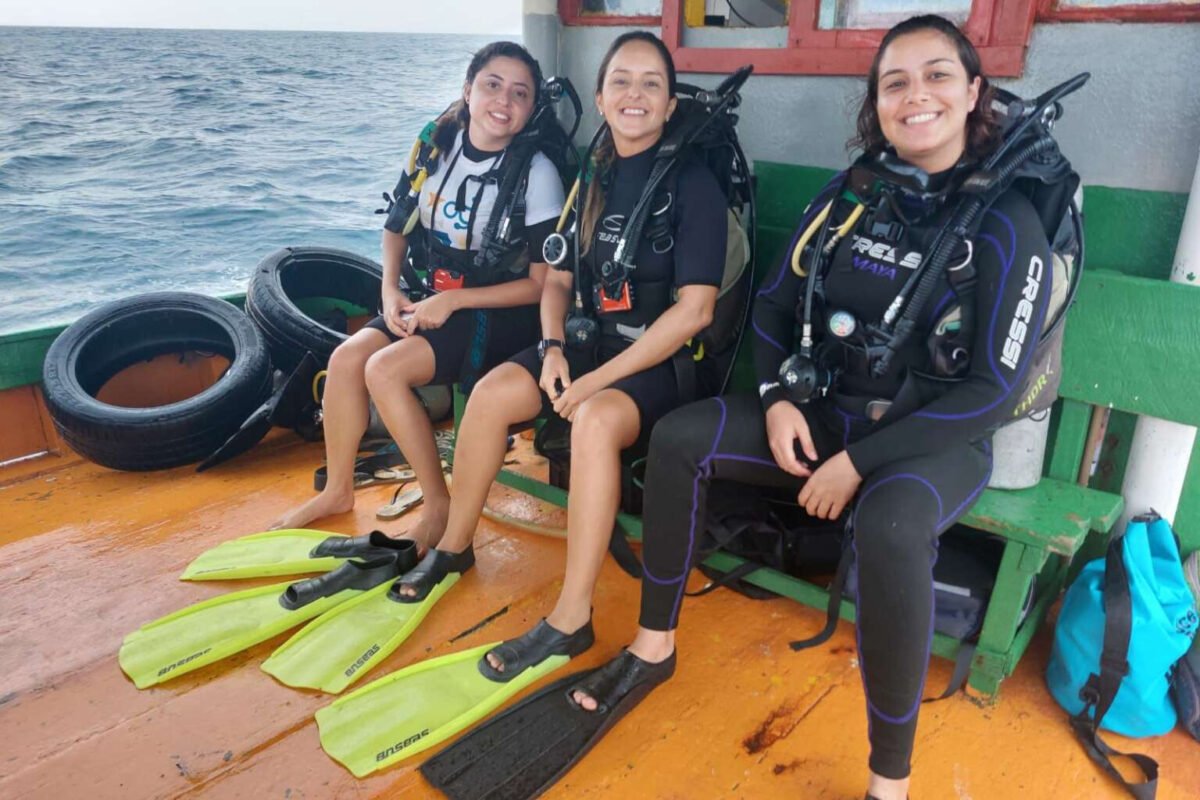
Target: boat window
832	15
839	37
1120	10
867	14
828	37
625	8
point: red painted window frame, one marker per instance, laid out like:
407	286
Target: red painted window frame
1000	30
571	13
1050	11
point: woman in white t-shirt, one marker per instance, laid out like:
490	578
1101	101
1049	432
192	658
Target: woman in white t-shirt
446	314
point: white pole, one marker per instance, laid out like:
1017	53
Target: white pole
1161	449
539	32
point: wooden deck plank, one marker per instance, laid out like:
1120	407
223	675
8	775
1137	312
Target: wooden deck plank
88	554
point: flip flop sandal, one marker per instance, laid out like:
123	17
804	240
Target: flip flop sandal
621	684
364	468
445	442
533	648
388	475
402	501
429	572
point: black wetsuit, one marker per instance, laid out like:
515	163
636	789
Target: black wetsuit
472	341
923	463
698	228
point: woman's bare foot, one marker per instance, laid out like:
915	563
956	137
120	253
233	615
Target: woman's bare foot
325	504
653	647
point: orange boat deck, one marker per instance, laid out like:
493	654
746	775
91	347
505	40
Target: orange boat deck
89	554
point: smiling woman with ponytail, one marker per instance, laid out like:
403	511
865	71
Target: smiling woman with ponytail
442	319
613	394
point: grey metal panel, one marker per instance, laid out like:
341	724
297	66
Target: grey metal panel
1135	125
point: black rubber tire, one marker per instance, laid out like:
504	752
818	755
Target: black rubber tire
295	273
124	332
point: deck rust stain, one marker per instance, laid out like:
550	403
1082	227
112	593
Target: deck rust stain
780	723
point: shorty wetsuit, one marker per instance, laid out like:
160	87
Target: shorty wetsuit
923	463
472	341
697	257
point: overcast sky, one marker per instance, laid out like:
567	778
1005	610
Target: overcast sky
426	16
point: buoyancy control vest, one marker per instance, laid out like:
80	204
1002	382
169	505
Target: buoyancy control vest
703	130
503	251
869	206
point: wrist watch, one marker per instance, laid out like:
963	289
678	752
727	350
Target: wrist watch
546	344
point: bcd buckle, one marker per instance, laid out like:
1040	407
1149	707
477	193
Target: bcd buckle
446	279
622	302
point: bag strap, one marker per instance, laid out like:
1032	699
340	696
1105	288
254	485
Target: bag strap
723	534
1100	690
836	590
962	669
962	661
622	553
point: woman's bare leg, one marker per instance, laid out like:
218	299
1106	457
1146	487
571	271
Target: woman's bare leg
346	417
392	374
605	424
505	396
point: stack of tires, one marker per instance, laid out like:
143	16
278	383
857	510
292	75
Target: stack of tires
274	332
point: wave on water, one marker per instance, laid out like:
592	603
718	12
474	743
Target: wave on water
139	160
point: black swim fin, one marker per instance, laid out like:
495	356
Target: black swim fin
289	406
527	749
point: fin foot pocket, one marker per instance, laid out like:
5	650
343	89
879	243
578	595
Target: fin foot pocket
432	570
362	546
534	646
612	683
381	567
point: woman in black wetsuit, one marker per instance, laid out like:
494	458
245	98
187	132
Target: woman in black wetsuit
614	396
906	454
426	333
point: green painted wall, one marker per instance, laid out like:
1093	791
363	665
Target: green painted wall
1132	231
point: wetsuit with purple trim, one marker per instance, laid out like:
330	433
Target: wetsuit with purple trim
923	462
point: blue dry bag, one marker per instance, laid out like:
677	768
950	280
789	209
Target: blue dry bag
1125	622
1187	674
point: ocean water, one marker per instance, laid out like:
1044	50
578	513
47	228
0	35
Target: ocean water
145	160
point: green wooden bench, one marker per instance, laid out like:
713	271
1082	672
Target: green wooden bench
1121	336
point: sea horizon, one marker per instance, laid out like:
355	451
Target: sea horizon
146	159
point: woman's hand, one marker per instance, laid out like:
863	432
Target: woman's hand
827	493
393	312
785	424
567	403
556	374
431	313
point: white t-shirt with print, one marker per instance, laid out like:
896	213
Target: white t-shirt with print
441	215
